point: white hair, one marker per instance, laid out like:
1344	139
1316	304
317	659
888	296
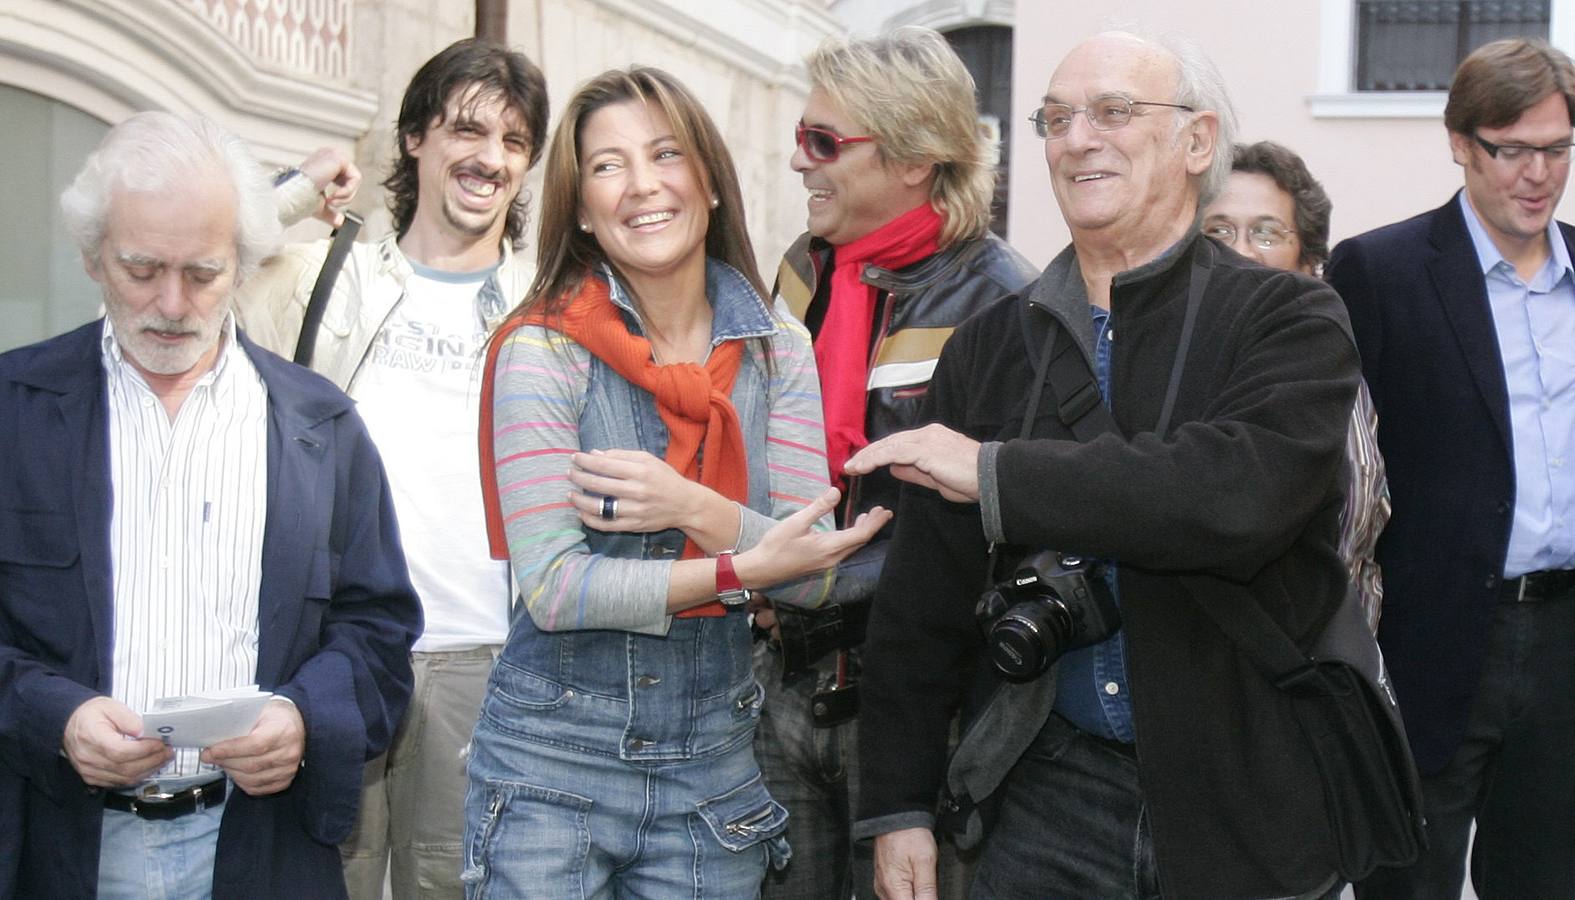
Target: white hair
159	151
1200	86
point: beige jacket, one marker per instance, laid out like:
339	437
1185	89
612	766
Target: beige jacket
271	305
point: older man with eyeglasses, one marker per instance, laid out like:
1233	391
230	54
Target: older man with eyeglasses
898	253
1169	418
1465	317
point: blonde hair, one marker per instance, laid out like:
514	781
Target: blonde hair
909	89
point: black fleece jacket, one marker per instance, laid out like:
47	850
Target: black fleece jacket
1240	497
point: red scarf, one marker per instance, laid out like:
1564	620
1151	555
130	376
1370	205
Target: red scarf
705	442
842	347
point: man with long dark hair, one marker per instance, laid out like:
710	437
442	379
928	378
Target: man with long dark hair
402	334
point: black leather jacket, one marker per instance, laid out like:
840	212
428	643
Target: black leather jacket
918	308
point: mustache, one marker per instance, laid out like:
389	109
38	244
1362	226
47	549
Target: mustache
168	326
479	172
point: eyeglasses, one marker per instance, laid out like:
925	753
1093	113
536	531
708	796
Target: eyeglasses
1513	153
1263	235
1054	120
822	145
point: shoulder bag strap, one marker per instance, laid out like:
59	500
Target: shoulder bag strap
344	236
1081	410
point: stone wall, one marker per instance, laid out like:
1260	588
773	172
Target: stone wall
742	62
292	75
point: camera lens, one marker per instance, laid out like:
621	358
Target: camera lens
1028	638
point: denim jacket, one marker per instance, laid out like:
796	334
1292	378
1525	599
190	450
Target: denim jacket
688	692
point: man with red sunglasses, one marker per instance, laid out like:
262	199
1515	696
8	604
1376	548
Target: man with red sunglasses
898	253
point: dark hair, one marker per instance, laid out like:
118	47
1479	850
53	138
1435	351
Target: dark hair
564	253
1307	195
499	72
1501	80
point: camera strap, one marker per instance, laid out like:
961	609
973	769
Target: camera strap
1079	404
1043	370
1252	630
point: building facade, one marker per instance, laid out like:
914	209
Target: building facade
293	75
1359	102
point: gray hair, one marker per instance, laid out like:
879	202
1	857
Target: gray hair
1200	86
158	151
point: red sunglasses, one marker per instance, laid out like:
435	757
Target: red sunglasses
822	145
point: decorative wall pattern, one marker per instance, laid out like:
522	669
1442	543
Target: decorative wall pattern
300	36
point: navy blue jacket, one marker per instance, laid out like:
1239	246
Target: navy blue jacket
1419	310
336	618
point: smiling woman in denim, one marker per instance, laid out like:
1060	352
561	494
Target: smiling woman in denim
653	430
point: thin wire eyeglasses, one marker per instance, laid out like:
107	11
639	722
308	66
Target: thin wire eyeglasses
1514	153
1054	120
1263	235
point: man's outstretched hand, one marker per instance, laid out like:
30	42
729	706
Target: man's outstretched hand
933	456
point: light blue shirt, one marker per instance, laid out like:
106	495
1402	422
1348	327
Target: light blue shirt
1091	682
1535	321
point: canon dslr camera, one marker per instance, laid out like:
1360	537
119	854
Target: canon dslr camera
1052	603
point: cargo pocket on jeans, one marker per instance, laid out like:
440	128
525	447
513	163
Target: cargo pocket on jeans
746	816
530	841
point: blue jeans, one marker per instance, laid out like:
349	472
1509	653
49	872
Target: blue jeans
814	772
1073	824
1514	773
543	820
148	860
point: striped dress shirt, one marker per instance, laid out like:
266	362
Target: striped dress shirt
1366	506
186	533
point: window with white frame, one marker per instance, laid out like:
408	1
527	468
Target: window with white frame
1395	58
1415	45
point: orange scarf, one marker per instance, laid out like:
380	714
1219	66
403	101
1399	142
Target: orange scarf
705	442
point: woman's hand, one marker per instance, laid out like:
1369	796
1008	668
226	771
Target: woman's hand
650	494
793	547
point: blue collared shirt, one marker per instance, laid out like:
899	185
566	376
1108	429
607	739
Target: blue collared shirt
1535	321
1091	683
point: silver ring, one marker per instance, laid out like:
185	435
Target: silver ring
609	508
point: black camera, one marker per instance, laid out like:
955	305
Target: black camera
1052	603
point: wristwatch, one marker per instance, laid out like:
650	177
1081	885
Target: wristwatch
729	590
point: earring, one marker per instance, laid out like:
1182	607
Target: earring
585	227
715	202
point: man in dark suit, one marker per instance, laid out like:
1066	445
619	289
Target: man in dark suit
1465	317
182	512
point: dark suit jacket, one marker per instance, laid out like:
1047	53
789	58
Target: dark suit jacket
1419	308
336	618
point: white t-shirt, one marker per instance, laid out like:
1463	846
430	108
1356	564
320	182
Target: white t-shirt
419	393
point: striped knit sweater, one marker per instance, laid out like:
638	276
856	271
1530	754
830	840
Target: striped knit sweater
541	382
